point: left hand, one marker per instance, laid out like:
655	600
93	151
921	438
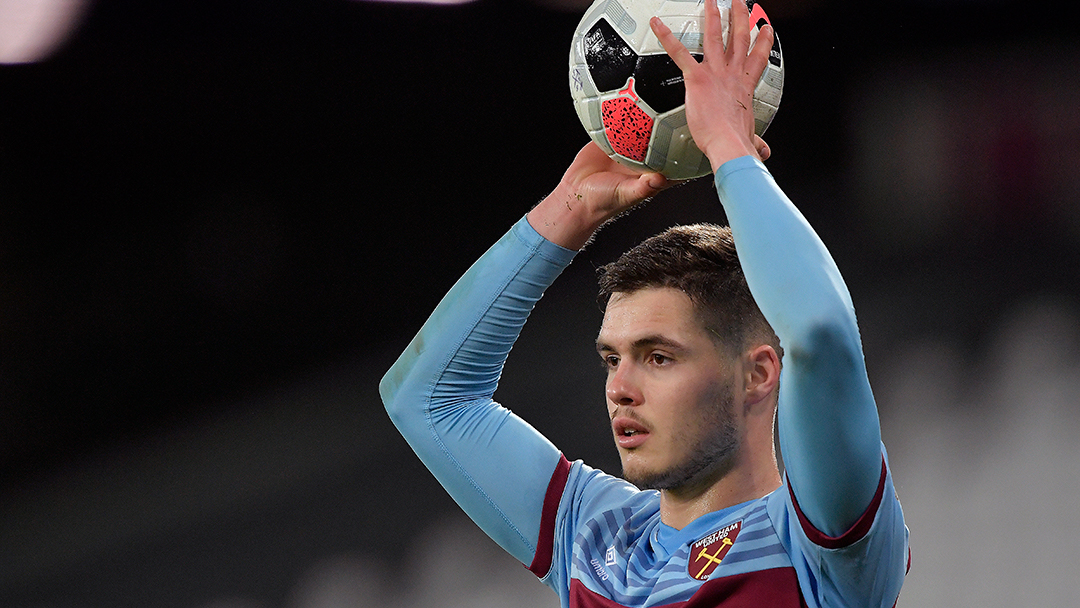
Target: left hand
720	89
593	190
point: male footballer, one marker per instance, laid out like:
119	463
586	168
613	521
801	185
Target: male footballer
705	352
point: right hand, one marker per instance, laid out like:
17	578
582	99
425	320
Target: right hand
594	189
720	89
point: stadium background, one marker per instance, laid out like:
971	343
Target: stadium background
221	221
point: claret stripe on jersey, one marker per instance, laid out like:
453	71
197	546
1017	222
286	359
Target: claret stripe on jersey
776	588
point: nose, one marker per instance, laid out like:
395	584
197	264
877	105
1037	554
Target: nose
623	388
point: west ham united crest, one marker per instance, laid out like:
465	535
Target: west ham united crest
707	553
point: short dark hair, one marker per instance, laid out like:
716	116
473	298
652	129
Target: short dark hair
699	260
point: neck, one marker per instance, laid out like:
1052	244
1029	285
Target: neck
748	478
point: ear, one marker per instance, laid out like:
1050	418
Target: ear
761	373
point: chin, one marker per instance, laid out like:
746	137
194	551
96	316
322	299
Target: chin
652	479
638	473
691	473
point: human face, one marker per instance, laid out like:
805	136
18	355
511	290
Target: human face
670	391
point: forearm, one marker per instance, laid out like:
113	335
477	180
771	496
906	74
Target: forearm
439	392
828	423
790	272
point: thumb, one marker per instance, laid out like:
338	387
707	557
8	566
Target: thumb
648	184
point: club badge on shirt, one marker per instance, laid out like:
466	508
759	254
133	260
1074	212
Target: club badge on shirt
707	553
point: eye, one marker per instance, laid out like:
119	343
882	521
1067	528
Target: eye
609	362
659	359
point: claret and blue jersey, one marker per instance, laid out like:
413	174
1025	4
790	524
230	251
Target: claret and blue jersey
610	549
597	540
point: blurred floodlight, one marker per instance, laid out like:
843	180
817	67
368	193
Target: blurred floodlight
566	5
30	30
424	1
777	8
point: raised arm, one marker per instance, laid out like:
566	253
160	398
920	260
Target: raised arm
829	432
439	392
827	419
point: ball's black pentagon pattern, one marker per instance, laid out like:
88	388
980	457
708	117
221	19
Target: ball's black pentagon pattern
610	59
657	80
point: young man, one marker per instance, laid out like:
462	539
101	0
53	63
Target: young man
693	387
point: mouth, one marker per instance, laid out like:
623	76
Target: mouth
628	433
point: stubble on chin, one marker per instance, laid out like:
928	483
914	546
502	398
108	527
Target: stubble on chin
691	471
708	460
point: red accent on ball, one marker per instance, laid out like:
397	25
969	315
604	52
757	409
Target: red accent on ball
757	14
627	126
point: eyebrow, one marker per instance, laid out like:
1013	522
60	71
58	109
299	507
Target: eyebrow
643	343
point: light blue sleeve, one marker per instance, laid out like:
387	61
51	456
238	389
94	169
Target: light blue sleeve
830	436
439	392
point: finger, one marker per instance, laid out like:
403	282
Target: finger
758	59
763	150
674	48
713	43
739	29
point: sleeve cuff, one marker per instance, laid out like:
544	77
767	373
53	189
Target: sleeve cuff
735	165
546	249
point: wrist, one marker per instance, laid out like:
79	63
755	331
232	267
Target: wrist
563	218
719	155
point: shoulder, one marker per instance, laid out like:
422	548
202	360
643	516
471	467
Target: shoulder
590	492
863	566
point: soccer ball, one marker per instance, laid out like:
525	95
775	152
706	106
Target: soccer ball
629	94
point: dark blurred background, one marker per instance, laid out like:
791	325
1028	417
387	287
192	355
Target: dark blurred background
221	221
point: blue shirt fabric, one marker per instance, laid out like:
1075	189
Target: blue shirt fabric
832	535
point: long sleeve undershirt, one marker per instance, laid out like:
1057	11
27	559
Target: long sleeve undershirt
439	392
827	420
